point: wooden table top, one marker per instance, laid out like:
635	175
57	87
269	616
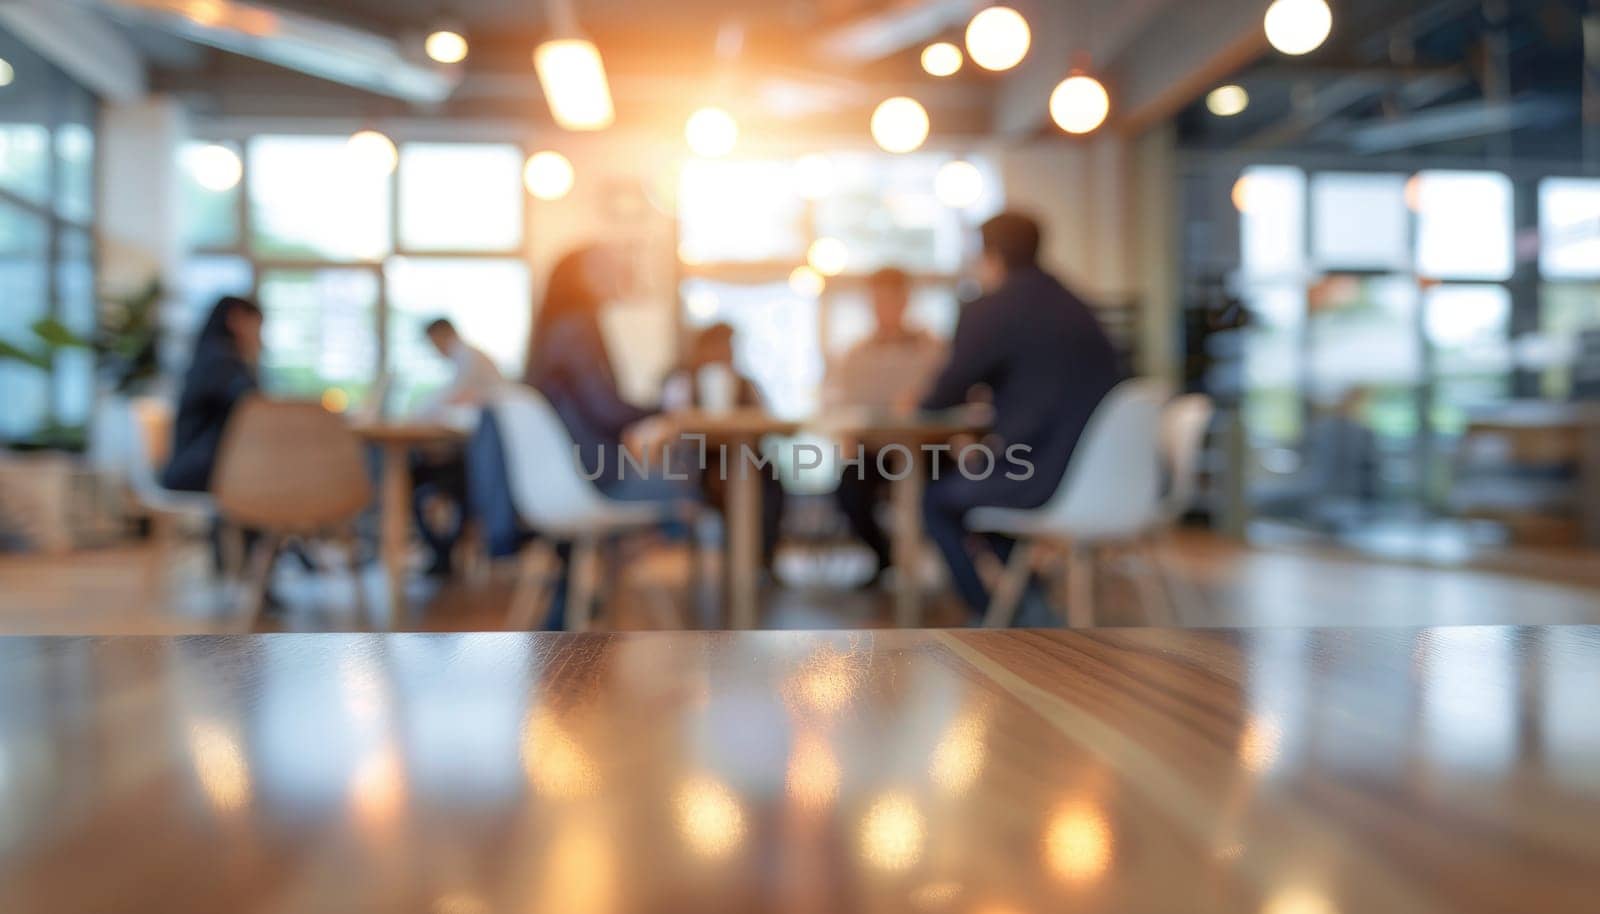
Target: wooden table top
745	422
407	432
1275	771
877	430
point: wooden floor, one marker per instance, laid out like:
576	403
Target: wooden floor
1209	582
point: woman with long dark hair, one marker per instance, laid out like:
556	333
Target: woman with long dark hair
568	361
227	356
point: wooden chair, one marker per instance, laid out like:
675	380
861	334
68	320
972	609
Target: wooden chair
289	470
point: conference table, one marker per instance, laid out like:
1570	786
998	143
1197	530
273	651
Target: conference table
971	772
731	434
732	443
396	441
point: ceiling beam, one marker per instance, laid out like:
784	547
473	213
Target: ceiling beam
1182	55
1065	31
1460	121
297	41
78	41
895	28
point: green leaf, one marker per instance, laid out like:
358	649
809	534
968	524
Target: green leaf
58	335
14	353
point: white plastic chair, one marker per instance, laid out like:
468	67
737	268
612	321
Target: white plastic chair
1184	422
1110	493
552	496
143	426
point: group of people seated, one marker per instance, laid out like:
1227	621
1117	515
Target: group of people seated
1027	347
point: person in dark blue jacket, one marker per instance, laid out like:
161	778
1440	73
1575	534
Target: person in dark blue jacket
1046	364
224	370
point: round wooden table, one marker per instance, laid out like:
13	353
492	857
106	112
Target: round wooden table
728	437
395	441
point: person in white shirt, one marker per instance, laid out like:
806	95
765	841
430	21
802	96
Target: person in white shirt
475	379
892	366
895	363
440	477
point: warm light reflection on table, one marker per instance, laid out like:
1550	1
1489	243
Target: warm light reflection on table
892	833
1126	771
557	766
220	766
709	817
1078	842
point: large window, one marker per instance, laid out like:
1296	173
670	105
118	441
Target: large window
47	143
321	331
311	200
350	261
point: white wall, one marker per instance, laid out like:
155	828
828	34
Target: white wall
141	232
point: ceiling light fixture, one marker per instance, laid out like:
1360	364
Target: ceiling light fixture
1297	27
900	124
371	151
1079	104
445	46
1227	101
548	175
998	38
711	132
941	59
572	74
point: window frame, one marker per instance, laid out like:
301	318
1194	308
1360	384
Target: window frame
85	112
261	264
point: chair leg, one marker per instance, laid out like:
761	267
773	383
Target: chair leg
162	534
349	541
1188	596
536	571
469	554
582	580
1156	589
258	577
231	540
1011	586
1080	587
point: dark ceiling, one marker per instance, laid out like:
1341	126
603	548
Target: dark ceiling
1447	78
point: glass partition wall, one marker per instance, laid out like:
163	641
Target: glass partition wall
47	170
1384	308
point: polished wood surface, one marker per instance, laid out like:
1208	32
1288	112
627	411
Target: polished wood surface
395	441
407	433
742	424
1279	771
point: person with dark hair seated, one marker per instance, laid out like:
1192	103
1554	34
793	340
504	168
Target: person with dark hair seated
1046	364
224	370
568	363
